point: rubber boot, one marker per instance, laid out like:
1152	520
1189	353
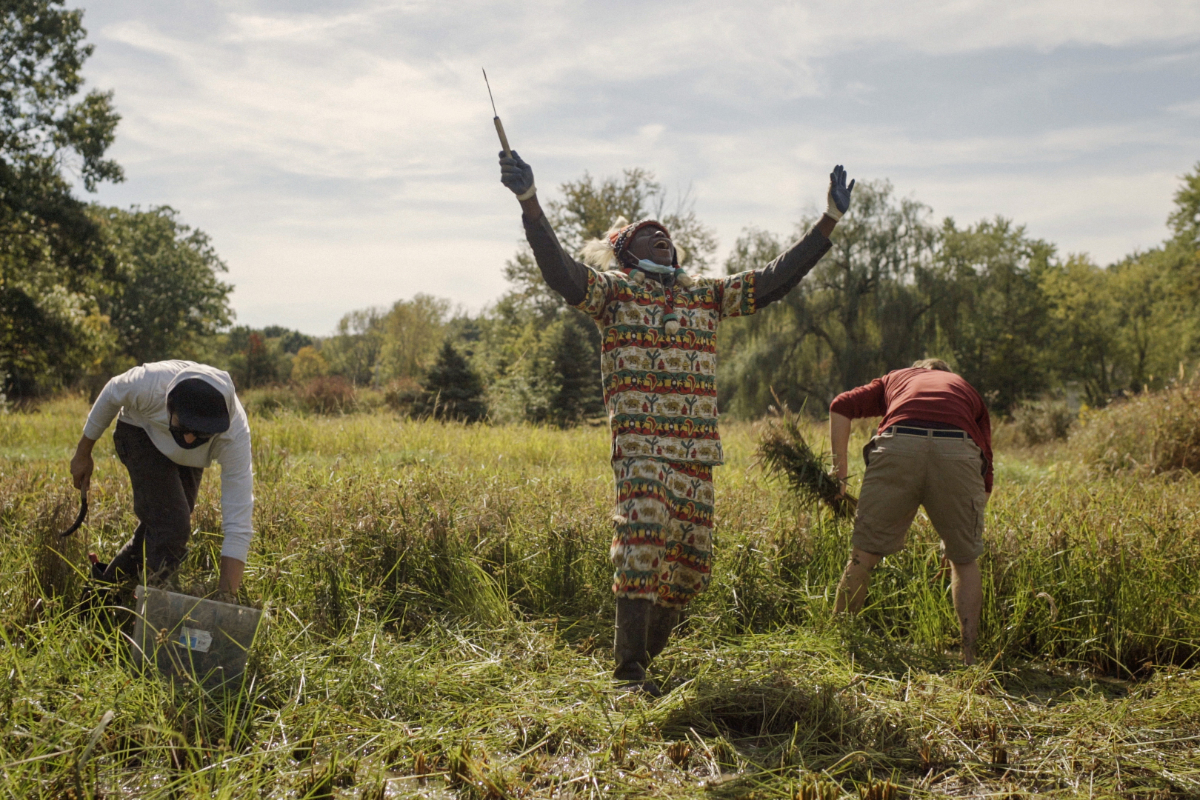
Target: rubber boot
629	645
662	622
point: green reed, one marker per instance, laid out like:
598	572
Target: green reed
440	622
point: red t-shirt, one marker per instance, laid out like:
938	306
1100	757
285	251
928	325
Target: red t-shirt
925	395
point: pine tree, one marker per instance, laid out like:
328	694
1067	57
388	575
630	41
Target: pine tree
452	390
578	372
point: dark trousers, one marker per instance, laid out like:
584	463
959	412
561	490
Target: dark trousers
164	496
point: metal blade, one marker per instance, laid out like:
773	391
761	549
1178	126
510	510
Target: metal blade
489	87
83	509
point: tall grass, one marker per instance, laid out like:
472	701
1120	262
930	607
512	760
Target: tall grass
1152	433
440	621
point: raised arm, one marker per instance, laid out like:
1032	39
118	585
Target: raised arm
562	273
781	275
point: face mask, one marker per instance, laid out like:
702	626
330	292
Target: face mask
658	269
178	433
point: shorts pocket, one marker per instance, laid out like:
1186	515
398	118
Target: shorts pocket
868	448
980	508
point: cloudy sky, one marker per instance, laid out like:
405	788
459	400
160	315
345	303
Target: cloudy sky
341	154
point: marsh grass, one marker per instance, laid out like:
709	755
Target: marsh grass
440	623
1149	434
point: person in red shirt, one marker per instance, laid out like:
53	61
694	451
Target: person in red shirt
933	449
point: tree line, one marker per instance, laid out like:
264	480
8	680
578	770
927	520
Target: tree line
1007	310
1015	317
87	291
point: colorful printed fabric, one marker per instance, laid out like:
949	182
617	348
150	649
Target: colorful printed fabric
662	547
660	389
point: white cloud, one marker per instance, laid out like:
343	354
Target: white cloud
955	26
1189	109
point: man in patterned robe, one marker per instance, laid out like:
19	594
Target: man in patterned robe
658	360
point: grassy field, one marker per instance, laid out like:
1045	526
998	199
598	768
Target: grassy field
440	626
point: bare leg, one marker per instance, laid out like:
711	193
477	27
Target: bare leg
852	589
966	587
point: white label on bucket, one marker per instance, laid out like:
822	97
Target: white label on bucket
195	639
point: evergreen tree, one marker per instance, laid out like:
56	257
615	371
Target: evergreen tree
452	389
573	362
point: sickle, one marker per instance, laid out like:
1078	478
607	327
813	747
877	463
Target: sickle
83	508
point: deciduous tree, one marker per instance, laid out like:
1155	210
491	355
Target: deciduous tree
50	325
865	309
167	300
411	333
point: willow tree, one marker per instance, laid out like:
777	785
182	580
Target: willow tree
866	308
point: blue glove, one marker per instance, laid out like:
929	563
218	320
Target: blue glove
838	200
516	175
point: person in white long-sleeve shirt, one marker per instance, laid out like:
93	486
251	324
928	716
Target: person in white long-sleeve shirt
174	418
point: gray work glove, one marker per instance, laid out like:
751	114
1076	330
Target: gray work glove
517	175
838	199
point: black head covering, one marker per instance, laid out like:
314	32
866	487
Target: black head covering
200	406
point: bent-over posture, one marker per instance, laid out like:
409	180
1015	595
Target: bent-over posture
658	362
933	449
174	418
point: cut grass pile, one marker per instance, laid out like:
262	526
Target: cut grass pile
783	450
441	623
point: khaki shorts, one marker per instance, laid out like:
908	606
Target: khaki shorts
945	475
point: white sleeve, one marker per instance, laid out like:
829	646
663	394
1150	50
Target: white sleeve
107	406
237	490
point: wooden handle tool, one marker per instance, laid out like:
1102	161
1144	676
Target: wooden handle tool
496	119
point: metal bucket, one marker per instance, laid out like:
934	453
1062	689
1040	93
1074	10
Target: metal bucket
193	639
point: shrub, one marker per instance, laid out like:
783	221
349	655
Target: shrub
368	400
401	395
328	395
268	400
307	364
1045	420
1156	432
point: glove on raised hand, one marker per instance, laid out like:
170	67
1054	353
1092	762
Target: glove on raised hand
517	175
838	199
